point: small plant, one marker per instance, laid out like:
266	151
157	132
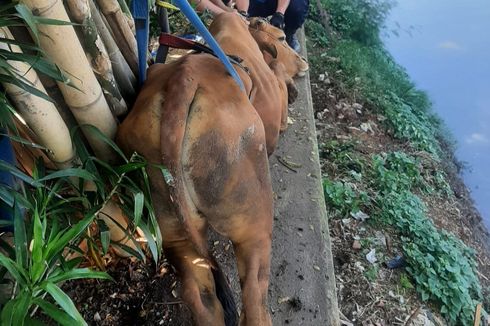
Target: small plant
344	197
372	273
405	282
342	157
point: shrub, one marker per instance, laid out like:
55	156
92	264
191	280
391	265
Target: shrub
443	268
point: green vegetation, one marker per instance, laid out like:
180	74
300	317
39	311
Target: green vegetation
388	185
54	211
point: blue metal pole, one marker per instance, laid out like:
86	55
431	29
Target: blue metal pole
6	178
140	12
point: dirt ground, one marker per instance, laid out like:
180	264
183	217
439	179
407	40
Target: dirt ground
381	300
141	294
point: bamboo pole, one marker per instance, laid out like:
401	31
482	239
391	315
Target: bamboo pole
121	31
40	114
122	72
97	54
124	7
86	101
55	93
118	225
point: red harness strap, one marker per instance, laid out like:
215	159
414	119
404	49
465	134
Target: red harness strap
177	42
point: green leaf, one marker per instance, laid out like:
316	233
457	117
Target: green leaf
5	223
72	234
129	167
14	269
94	131
105	235
20	238
7	313
137	253
72	263
17	81
26	14
67	173
21	307
54	312
64	301
79	273
139	200
17	173
23	141
22	45
38	263
151	242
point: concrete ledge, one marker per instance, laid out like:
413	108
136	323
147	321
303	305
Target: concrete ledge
302	290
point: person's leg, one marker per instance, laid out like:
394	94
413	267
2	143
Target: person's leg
294	18
262	8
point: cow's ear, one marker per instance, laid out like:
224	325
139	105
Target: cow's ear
271	49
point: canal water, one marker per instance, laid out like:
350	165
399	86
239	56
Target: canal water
445	47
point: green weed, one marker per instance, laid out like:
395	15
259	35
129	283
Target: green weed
344	197
443	268
405	282
372	273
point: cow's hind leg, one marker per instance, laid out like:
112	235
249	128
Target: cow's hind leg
204	287
253	260
198	285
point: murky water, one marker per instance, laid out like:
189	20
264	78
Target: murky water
445	47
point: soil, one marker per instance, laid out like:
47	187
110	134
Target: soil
381	300
141	294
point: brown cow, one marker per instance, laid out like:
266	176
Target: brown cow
272	79
273	40
192	117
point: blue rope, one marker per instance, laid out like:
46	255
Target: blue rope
187	10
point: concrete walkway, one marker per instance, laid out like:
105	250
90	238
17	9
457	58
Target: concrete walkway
302	290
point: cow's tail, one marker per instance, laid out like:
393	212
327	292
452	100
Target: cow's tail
225	295
175	113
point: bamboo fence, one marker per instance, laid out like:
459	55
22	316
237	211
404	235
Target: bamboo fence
98	54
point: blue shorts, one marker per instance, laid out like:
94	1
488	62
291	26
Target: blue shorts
294	17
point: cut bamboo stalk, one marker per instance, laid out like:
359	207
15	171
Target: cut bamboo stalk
25	155
122	72
40	114
121	31
55	93
86	101
117	223
97	54
127	13
124	7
